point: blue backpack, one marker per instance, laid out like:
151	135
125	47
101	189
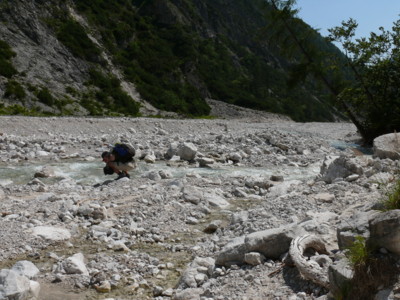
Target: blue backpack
123	152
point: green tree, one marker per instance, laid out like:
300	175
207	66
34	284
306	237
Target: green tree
375	63
364	84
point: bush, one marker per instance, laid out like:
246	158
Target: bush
111	95
45	97
17	110
372	272
358	253
74	37
6	67
6	52
14	89
392	199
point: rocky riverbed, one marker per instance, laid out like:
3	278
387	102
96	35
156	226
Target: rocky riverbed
194	221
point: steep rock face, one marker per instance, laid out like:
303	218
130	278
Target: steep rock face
40	58
174	54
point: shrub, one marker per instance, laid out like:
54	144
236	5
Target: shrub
392	199
17	109
14	89
372	272
74	37
6	52
45	97
358	252
6	67
111	95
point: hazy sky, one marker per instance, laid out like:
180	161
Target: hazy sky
369	14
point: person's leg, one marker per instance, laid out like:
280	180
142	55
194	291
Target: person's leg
125	167
122	168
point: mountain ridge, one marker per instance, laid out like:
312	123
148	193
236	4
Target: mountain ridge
151	58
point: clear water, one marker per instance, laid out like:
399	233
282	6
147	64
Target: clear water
341	145
89	173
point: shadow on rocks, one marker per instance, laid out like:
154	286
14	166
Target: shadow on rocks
294	280
107	182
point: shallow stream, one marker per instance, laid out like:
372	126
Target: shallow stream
90	173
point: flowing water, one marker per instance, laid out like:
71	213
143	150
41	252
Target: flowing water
90	173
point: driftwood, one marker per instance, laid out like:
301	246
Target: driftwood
314	268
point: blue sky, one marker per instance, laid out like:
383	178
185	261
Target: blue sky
369	14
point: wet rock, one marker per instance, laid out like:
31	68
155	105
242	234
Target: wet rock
172	150
45	172
205	161
150	158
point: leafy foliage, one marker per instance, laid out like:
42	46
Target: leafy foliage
372	272
375	61
110	95
17	109
358	253
74	37
6	67
175	67
14	89
45	97
364	82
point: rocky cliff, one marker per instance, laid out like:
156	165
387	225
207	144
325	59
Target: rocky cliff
148	57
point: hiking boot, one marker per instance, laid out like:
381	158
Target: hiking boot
121	175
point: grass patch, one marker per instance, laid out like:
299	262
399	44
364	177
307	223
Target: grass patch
372	271
392	197
358	253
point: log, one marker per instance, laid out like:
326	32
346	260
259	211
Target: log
314	268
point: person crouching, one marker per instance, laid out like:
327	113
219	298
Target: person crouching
113	165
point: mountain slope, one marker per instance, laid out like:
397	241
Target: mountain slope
130	57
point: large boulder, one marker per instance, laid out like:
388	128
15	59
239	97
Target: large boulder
385	231
26	268
339	167
52	233
387	146
187	151
271	243
14	286
340	274
355	225
73	265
